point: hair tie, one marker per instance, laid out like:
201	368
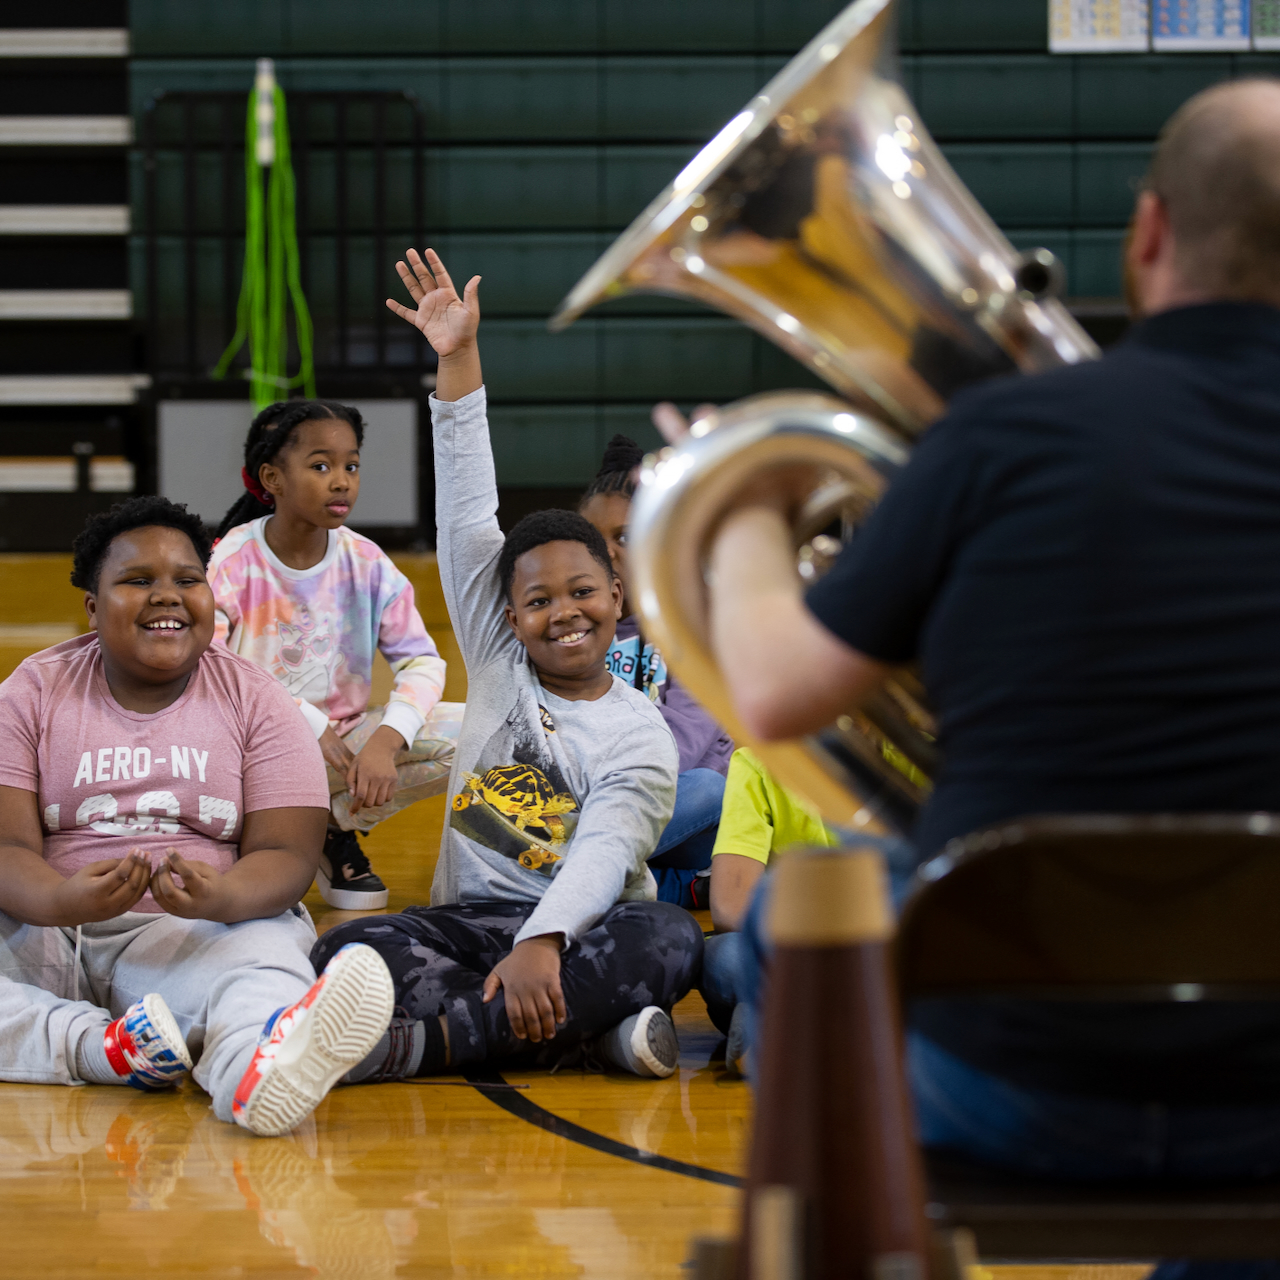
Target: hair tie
254	486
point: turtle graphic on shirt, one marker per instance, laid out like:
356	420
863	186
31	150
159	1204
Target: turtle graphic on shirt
520	807
521	793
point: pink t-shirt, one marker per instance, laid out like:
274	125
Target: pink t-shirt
110	780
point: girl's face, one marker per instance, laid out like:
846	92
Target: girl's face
609	512
153	609
316	477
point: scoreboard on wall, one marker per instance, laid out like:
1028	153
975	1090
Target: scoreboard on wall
1165	26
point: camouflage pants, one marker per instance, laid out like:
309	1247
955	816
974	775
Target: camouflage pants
422	769
640	953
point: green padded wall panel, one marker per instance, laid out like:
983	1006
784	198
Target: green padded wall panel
280	28
509	99
1108	176
989	25
561	445
1097	263
1019	96
1019	184
1132	96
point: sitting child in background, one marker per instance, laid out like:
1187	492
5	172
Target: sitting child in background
685	847
759	819
162	807
310	601
543	934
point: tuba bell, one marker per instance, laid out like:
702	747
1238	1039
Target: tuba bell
824	216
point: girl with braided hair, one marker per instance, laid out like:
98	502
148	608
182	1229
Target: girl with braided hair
304	597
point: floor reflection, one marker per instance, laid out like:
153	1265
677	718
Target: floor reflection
393	1180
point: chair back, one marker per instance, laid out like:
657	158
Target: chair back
1099	907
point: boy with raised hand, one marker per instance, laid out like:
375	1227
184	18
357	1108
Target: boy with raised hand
543	931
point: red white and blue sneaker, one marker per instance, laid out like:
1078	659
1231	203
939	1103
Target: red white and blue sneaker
308	1047
145	1046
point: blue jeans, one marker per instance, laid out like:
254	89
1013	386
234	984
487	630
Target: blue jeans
687	840
1042	1132
723	967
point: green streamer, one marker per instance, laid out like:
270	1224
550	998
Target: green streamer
272	275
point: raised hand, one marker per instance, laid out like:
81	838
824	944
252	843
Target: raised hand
672	424
447	321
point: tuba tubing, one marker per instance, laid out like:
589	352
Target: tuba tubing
683	494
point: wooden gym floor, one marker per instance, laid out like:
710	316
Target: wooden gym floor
604	1177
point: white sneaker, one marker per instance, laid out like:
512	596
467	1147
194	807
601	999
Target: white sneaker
644	1044
145	1047
308	1047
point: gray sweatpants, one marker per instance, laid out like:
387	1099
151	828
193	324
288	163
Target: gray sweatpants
221	982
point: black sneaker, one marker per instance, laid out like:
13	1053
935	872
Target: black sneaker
700	891
345	879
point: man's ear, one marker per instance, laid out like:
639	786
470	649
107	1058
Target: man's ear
91	608
510	614
1148	230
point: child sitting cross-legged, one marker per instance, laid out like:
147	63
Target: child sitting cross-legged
162	805
312	602
543	935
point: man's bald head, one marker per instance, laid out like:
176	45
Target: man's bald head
1217	170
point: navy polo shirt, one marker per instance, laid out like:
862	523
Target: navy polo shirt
1086	563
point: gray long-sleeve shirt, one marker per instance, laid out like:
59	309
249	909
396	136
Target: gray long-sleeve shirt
549	799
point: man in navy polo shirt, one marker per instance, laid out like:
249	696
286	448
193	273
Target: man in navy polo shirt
1087	565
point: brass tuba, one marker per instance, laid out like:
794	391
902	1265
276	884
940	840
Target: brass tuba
824	216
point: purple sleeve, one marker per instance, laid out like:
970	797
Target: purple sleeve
702	743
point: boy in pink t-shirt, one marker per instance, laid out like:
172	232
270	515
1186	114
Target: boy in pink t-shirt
162	806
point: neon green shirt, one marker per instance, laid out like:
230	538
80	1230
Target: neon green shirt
760	817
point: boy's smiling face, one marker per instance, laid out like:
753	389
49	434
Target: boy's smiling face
153	608
564	609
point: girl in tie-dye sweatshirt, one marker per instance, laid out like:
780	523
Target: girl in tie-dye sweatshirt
309	600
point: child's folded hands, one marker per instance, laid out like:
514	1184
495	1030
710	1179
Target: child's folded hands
202	895
102	890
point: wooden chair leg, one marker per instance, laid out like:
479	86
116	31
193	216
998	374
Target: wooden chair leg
835	1184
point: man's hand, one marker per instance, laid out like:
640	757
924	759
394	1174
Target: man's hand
672	425
447	321
102	890
371	776
530	976
337	755
202	894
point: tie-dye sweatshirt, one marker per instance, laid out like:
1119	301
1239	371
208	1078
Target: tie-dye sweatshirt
316	629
